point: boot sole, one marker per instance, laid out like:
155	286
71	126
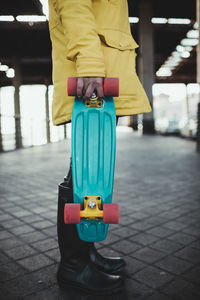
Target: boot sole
69	284
114	272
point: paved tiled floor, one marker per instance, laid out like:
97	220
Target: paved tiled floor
157	185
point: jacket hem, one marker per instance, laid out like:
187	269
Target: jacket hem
119	112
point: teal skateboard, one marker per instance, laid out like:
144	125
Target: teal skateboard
93	142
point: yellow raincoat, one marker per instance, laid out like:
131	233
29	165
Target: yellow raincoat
93	38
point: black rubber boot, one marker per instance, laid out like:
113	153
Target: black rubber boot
111	265
76	268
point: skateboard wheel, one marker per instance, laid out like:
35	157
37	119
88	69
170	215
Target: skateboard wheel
111	87
72	213
72	86
110	213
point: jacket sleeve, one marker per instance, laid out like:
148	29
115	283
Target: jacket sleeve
83	43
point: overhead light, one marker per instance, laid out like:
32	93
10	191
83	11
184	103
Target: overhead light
189	48
7	19
182	51
164	72
177	59
175	54
189	42
179	21
10	73
185	54
174	58
159	20
31	18
170	67
133	19
170	64
3	68
180	48
193	34
176	63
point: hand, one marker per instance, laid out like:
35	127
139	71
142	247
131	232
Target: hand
87	85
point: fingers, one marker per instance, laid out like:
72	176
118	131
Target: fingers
80	85
89	90
94	83
87	85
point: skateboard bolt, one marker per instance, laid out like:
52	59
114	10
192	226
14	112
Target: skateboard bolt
93	95
92	204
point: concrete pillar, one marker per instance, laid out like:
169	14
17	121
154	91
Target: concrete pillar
134	122
65	131
198	75
146	58
188	112
16	83
47	111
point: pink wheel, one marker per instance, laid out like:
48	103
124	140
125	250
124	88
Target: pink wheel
110	213
72	86
72	213
111	87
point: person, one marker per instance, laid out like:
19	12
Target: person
91	39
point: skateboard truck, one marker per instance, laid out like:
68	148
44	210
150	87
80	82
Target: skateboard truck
92	208
94	101
92	211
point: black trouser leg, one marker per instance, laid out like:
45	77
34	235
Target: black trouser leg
68	177
71	246
117	118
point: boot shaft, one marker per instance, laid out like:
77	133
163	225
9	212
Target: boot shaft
69	242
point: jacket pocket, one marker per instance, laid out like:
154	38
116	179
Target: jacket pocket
117	39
